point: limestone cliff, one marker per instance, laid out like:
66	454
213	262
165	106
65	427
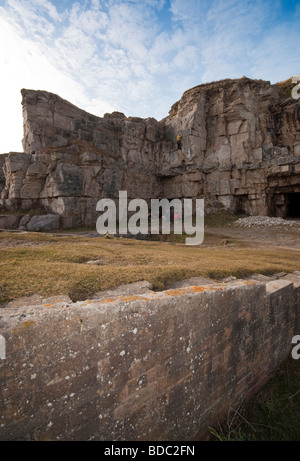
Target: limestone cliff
240	150
72	159
241	146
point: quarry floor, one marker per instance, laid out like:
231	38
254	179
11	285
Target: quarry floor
228	234
79	263
276	236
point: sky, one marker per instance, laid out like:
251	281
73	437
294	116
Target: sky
137	56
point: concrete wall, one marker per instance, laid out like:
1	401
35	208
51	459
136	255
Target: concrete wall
152	367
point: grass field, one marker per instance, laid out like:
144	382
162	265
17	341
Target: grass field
57	264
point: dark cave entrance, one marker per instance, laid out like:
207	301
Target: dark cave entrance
285	205
293	205
241	202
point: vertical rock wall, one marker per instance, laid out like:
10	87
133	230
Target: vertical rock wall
72	159
240	146
240	150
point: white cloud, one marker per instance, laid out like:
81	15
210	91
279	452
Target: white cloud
189	11
24	66
277	58
35	15
136	56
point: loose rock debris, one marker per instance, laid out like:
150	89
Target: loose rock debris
265	221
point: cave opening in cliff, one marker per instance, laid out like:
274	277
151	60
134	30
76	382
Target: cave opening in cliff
241	202
293	205
285	205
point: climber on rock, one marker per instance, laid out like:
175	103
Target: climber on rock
179	141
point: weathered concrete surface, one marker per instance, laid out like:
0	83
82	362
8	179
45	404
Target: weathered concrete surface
154	366
240	150
127	289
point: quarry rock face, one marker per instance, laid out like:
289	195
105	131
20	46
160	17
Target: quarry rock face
240	151
240	147
72	159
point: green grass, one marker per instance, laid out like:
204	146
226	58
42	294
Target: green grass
273	414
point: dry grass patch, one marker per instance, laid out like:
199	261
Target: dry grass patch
55	265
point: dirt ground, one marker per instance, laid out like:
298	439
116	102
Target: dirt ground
287	237
277	236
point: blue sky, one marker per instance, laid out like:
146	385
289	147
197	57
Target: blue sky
137	56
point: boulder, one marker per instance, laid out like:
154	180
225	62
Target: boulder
9	221
24	221
42	223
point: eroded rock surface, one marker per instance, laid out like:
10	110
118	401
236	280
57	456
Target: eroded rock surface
240	150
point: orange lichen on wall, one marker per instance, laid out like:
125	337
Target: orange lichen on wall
172	292
129	298
108	300
194	289
25	324
28	324
179	292
198	289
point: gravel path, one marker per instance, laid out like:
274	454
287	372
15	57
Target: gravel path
262	231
